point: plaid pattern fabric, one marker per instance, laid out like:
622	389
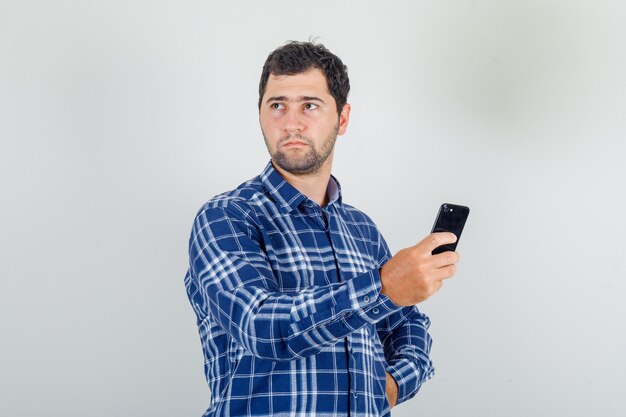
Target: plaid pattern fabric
289	310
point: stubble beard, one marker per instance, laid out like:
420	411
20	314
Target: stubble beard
306	161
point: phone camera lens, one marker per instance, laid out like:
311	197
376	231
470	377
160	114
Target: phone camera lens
446	209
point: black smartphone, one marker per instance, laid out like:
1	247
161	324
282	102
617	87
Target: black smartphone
451	218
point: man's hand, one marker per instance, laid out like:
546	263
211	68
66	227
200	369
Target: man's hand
414	274
392	391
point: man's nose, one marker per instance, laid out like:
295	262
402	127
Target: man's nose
293	122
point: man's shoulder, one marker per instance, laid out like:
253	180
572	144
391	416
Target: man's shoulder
246	191
239	199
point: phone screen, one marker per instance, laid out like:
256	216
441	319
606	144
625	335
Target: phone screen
451	218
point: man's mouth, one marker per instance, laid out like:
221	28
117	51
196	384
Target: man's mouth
289	143
293	143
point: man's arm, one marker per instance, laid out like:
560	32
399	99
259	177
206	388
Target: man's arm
406	342
404	334
231	281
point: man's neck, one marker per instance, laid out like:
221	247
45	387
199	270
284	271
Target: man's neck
312	185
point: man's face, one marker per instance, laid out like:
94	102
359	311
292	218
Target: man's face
299	121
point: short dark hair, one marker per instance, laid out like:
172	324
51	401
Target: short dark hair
296	57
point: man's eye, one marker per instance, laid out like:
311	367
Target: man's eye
310	106
277	106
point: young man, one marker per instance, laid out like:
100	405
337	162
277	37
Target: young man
301	309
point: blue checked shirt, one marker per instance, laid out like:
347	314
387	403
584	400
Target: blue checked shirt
289	310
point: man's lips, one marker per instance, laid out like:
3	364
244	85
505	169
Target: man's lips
292	143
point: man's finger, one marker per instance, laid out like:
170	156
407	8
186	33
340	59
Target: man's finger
434	240
445	258
447	271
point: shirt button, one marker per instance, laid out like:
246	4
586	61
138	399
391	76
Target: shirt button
354	394
366	299
375	311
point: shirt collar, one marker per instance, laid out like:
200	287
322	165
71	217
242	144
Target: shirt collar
333	191
289	198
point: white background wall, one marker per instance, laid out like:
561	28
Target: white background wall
118	119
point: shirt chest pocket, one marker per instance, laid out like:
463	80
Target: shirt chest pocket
302	268
301	261
313	256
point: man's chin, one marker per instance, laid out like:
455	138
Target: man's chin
299	170
297	167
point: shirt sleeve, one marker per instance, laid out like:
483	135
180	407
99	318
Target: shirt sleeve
230	280
406	342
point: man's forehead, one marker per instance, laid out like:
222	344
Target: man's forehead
303	83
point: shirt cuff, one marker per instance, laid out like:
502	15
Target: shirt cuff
408	377
367	300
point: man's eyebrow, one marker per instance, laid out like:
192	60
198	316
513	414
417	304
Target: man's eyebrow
298	99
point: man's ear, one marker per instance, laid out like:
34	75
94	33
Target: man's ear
344	118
